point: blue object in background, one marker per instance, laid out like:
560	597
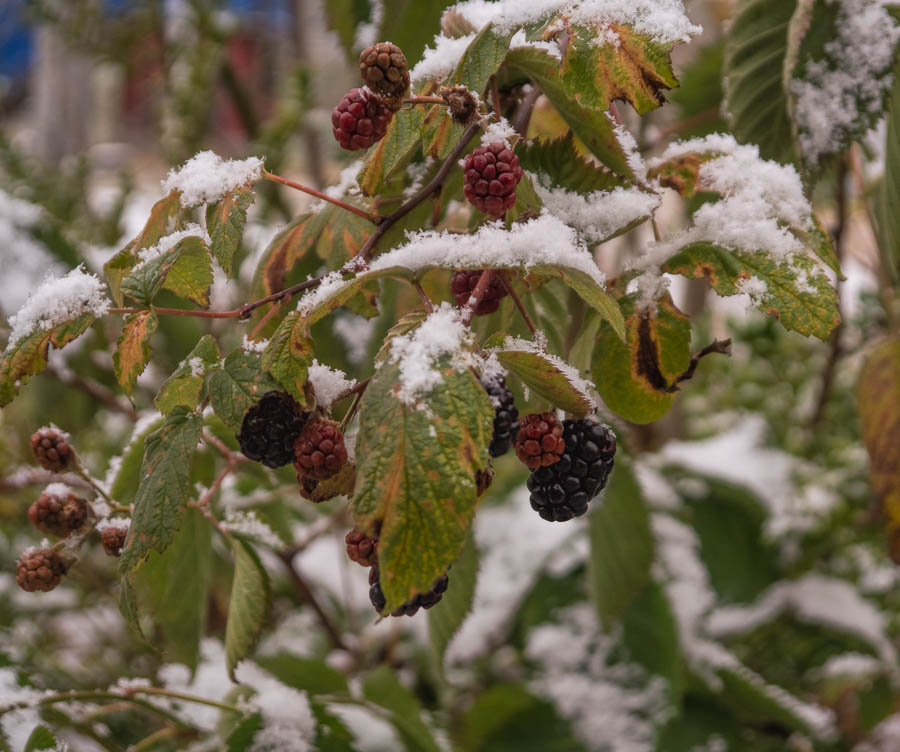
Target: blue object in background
16	40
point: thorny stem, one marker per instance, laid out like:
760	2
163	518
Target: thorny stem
518	301
484	281
306	594
723	347
373	218
433	186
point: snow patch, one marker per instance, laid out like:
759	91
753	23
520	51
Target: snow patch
328	383
206	177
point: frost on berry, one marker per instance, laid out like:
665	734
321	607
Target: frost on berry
539	442
40	569
562	490
269	429
360	119
51	449
361	548
319	451
491	174
384	70
463	283
58	512
411	607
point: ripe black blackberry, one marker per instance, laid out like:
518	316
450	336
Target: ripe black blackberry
491	174
506	415
269	429
463	284
319	451
58	512
539	442
360	119
51	449
562	490
411	607
40	569
361	548
384	70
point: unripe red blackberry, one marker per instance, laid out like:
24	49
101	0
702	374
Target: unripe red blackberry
112	538
51	449
269	429
39	569
384	70
562	490
506	415
361	548
411	607
463	283
539	442
360	119
492	173
319	450
58	511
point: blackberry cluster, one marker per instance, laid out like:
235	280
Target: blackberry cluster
40	569
492	173
411	607
51	449
361	548
360	119
562	490
319	451
539	442
384	69
463	284
58	514
112	538
269	429
506	415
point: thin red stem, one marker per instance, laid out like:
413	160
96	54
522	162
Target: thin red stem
484	281
424	100
518	301
373	218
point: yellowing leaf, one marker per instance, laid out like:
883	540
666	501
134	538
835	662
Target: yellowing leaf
133	348
416	475
225	224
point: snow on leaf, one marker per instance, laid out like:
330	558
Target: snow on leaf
179	262
185	385
328	383
206	177
416	473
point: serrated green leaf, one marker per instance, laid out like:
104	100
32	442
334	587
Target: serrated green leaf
164	487
635	68
888	197
240	738
41	738
247	606
173	587
634	377
594	127
416	475
445	619
27	356
755	52
545	378
128	474
621	546
404	325
183	387
128	607
382	687
787	297
560	161
238	385
185	269
305	674
133	348
157	225
392	152
225	222
289	354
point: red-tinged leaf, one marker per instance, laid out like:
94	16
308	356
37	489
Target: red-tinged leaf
133	348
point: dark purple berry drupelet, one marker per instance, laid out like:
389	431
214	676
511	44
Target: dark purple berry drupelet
562	491
506	415
411	607
491	174
270	428
360	119
463	284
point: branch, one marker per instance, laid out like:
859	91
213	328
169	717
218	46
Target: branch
484	281
518	301
523	112
373	218
723	347
94	389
